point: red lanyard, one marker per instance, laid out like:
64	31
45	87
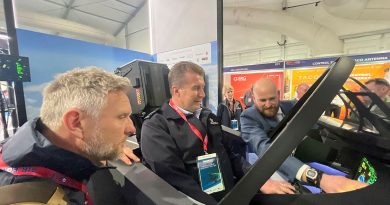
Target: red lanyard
49	174
205	140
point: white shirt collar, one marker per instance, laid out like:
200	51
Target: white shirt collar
279	115
186	112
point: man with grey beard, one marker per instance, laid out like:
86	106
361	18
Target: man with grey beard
84	121
258	121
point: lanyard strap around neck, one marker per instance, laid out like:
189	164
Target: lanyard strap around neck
193	128
43	172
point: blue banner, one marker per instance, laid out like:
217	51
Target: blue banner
317	62
276	65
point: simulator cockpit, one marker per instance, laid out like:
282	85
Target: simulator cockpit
362	144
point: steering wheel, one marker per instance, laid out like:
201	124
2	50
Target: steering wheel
291	130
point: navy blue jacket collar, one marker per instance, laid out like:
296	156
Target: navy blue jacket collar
29	147
169	112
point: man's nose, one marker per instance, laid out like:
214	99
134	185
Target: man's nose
202	94
268	103
130	129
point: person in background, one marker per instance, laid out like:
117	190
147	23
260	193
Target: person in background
248	98
387	74
380	87
332	110
258	121
176	138
230	109
386	69
302	88
84	121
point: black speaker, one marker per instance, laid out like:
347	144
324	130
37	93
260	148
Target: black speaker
150	88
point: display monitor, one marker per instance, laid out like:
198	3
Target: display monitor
365	172
14	68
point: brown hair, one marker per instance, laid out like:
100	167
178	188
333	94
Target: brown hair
177	72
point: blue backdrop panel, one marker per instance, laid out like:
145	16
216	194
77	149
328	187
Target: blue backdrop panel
50	55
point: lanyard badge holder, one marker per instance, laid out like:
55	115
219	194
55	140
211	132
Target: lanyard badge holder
43	172
234	124
210	175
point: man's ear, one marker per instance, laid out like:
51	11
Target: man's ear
72	122
384	89
175	90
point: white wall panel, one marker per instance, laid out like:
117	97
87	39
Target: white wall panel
182	23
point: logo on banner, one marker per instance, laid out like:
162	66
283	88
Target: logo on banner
239	78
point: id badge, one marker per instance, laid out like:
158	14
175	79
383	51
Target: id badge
210	175
234	124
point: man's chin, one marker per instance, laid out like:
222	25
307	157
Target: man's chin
117	153
269	113
114	155
195	108
110	154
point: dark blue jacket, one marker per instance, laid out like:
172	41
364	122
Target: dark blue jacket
225	116
255	129
28	147
170	149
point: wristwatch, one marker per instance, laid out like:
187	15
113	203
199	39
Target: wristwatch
313	177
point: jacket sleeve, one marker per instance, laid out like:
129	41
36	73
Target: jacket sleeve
253	133
219	112
235	148
238	114
162	156
223	115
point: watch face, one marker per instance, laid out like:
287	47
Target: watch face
311	173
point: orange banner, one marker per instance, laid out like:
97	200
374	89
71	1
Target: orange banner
310	75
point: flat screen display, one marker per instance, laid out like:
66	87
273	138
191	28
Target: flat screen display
14	68
366	172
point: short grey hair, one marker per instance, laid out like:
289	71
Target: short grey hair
177	72
82	88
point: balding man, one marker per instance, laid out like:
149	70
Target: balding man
381	88
302	88
257	122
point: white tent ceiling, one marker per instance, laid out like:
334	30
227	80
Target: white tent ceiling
319	25
97	20
107	15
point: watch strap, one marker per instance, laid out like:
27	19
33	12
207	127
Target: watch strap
316	181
